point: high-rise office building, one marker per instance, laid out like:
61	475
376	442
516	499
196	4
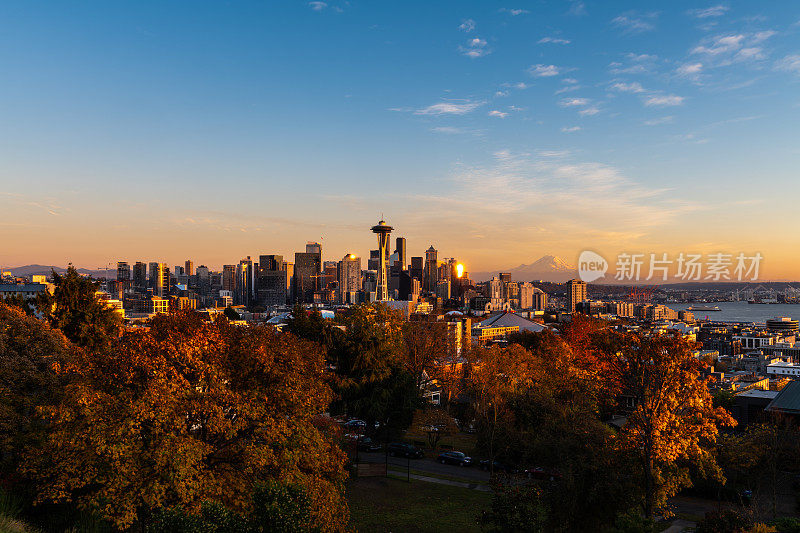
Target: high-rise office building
576	293
203	277
374	261
244	282
140	276
531	297
159	279
229	278
188	267
123	271
349	278
400	250
314	248
271	281
418	268
431	269
307	270
382	230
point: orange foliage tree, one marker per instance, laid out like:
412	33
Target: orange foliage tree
675	423
30	354
189	412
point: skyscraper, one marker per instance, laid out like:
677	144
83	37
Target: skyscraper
244	282
307	269
431	269
159	279
203	276
400	250
123	271
576	292
418	268
228	278
140	276
188	268
349	278
271	281
382	230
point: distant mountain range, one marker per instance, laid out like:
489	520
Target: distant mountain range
44	270
547	268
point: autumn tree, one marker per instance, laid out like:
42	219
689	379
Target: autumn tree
675	423
74	308
547	413
31	354
497	375
191	412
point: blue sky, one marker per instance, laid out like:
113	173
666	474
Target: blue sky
498	132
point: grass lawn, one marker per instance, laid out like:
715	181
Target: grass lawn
385	504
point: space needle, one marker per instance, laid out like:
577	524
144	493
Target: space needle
382	230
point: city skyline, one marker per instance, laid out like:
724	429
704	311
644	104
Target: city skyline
498	133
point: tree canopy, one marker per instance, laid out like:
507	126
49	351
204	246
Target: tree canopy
74	309
191	412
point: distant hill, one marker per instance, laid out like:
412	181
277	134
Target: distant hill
547	268
44	270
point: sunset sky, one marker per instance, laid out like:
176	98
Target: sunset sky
498	132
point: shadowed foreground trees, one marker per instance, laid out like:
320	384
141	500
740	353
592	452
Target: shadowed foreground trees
191	412
74	309
30	356
543	407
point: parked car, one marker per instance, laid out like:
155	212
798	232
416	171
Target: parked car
498	466
355	425
454	458
367	445
402	449
542	473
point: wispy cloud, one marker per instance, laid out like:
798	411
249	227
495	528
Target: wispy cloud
790	63
663	100
658	121
713	11
551	192
577	8
570	129
688	70
475	48
449	108
631	22
634	87
573	102
317	6
448	129
498	114
543	71
467	25
553	40
722	50
514	12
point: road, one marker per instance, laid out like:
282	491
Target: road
471	473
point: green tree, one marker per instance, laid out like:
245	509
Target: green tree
373	381
74	308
